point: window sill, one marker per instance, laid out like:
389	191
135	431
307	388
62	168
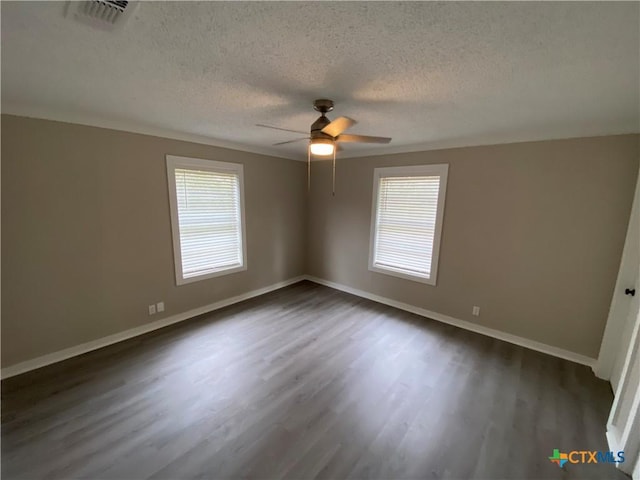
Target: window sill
406	276
206	276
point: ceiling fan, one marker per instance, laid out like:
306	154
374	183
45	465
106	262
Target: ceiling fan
326	135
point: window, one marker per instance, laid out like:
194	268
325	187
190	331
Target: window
406	222
207	218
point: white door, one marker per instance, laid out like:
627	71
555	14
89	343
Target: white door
622	314
626	333
623	425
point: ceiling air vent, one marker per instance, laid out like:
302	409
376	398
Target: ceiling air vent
106	14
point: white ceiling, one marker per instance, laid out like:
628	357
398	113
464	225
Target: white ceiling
430	75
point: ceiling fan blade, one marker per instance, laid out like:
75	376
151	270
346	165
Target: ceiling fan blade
290	141
283	129
362	139
338	126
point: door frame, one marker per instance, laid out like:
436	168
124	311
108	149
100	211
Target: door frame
612	341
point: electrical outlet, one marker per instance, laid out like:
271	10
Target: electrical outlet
476	311
152	309
160	307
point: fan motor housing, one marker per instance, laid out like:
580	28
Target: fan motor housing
322	105
318	125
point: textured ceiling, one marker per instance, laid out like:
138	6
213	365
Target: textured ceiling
429	75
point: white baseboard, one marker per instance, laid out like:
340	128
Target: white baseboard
601	371
490	332
60	355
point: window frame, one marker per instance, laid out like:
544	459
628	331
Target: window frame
174	162
439	169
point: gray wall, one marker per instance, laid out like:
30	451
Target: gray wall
533	234
86	234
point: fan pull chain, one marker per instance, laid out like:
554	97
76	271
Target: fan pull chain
308	168
334	171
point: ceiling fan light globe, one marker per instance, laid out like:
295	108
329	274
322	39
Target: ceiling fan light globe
322	148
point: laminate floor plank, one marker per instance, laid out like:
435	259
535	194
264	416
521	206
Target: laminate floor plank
305	382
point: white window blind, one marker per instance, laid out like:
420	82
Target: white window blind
208	224
408	207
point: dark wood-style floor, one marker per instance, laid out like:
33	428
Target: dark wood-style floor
305	382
